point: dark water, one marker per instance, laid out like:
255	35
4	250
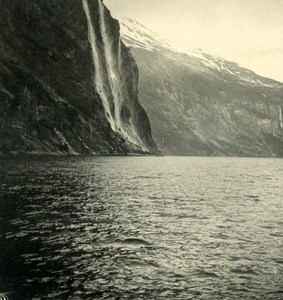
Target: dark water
141	228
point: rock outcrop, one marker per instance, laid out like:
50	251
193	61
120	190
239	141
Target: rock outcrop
67	82
202	104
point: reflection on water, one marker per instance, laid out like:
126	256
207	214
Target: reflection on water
141	228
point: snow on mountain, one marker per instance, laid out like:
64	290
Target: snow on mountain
137	35
202	104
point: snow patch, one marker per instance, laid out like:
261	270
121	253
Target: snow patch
86	147
64	142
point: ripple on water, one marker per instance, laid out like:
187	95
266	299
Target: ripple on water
187	228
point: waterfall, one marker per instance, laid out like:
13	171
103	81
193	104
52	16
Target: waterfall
112	61
113	66
119	54
98	77
280	118
113	74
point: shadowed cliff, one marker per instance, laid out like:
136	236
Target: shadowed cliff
50	99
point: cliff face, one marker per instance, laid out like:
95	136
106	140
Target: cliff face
67	82
201	104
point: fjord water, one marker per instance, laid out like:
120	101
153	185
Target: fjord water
141	228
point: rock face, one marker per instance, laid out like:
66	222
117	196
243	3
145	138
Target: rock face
201	104
67	82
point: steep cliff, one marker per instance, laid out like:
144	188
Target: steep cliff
202	104
67	82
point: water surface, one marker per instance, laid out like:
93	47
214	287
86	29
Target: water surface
141	228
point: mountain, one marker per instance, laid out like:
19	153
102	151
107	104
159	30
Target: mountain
68	84
202	104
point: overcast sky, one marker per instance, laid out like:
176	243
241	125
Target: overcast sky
249	32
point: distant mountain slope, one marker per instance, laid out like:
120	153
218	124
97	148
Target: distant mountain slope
67	82
202	104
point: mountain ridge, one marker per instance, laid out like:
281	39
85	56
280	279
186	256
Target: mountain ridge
206	59
202	104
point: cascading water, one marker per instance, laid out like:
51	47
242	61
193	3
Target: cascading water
113	75
98	77
119	54
280	121
113	65
111	91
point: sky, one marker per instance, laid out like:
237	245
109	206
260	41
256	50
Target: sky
249	32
